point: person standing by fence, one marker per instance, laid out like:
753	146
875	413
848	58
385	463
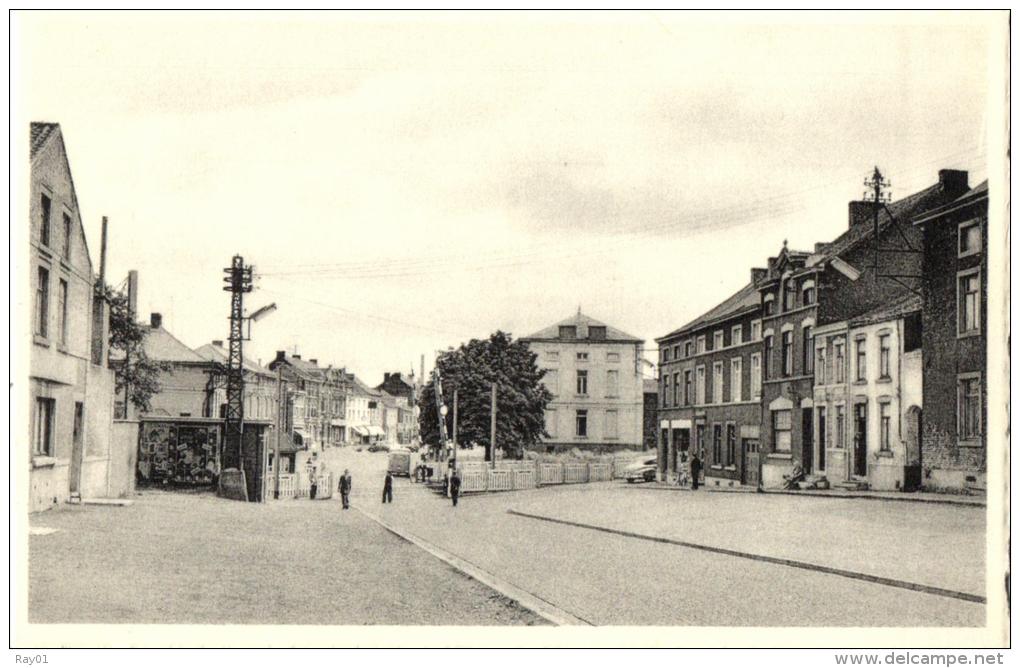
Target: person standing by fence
455	486
695	471
387	489
345	489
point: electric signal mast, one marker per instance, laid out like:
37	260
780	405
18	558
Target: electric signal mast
239	282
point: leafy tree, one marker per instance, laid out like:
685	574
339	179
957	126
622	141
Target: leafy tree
134	370
471	370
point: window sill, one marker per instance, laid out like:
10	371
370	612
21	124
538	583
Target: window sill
40	340
884	379
717	467
860	382
968	334
39	462
731	467
884	454
779	455
969	443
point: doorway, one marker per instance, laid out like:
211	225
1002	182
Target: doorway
861	440
807	429
750	465
77	449
821	438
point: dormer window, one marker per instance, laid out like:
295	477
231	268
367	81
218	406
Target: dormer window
597	332
568	332
807	292
769	305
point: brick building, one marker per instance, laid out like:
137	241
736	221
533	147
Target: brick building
836	282
709	391
70	385
649	415
955	293
594	373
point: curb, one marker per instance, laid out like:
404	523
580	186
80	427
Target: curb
544	609
826	495
829	570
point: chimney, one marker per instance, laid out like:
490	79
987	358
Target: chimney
861	212
156	320
218	343
953	180
296	356
314	361
385	377
758	274
281	356
133	292
820	247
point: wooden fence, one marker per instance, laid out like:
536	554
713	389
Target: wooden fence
507	476
298	486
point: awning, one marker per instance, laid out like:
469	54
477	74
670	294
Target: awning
376	431
360	431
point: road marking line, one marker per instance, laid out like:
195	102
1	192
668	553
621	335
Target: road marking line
536	604
853	575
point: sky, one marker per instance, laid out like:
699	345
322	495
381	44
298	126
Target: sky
405	182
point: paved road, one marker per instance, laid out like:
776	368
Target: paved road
611	579
173	558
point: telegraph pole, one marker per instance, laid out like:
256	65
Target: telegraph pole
239	282
492	429
878	194
455	429
280	424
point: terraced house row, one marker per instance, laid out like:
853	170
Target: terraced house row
828	358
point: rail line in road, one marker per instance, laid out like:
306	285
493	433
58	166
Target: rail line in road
854	575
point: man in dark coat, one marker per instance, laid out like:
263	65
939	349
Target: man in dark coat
695	471
455	487
387	489
345	489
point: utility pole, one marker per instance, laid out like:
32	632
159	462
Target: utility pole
878	194
455	429
492	429
239	282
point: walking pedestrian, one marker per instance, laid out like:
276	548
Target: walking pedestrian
695	471
345	489
387	489
455	487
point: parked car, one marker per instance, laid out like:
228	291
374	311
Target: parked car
378	447
643	471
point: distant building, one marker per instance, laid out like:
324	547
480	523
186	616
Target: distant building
261	400
594	373
405	427
710	391
317	400
955	296
70	386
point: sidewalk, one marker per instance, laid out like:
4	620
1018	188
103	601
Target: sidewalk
915	497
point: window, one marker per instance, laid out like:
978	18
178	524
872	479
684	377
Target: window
67	237
807	293
736	367
553	355
665	390
582	381
62	312
717	340
581	424
731	444
968	416
701	344
769	305
862	360
970	239
736	336
839	361
42	302
884	424
756	375
717	444
822	430
699	388
781	421
665	354
883	356
568	332
582	357
717	378
688	349
807	350
968	294
44	223
789	295
820	366
612	426
787	352
597	332
755	330
612	357
687	388
767	368
552	380
550	422
840	426
612	383
676	389
42	441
